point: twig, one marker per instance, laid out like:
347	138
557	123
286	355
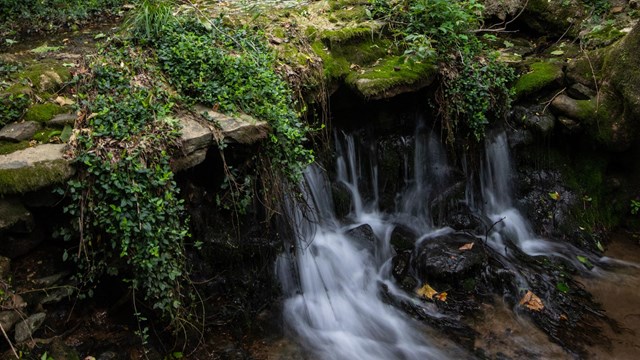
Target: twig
9	342
503	29
553	98
486	234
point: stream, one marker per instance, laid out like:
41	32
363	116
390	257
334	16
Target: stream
338	278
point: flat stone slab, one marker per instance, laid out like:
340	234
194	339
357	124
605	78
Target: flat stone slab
195	136
17	132
34	168
242	129
62	120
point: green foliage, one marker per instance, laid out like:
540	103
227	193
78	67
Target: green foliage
635	207
474	87
12	107
34	15
129	217
233	70
149	18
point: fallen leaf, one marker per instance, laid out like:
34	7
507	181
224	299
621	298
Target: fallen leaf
468	246
62	101
532	301
554	195
442	296
426	291
557	52
564	317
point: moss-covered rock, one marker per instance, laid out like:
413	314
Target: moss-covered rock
613	116
541	75
46	76
33	168
392	76
555	17
43	112
7	147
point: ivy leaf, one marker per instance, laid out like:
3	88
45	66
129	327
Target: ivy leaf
557	52
554	196
562	287
585	261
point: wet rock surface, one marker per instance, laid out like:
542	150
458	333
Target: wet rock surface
442	257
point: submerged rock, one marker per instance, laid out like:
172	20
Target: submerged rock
362	232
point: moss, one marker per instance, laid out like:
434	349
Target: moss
542	75
351	14
392	76
18	88
45	76
9	147
46	134
349	34
43	112
21	180
334	67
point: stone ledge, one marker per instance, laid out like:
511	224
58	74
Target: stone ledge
34	168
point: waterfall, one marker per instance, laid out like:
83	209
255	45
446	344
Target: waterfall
332	280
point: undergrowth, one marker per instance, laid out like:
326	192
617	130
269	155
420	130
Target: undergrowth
474	87
128	217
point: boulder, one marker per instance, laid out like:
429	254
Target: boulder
26	328
541	75
17	132
62	120
8	319
241	129
34	168
403	237
612	116
363	232
441	257
534	117
555	17
12	214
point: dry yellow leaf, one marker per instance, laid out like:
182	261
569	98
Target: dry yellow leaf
532	301
468	246
442	296
62	101
426	291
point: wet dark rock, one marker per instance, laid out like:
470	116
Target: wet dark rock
60	351
441	258
464	220
392	152
108	355
17	132
519	137
547	215
362	232
341	200
57	295
534	117
400	265
16	244
26	328
403	237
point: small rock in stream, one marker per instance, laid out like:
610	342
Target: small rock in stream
26	328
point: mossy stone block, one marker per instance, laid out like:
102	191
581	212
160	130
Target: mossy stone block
542	75
43	112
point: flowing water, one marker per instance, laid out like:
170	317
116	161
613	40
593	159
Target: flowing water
333	280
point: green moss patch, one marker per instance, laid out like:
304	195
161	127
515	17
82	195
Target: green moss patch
45	76
542	74
43	112
21	180
45	135
346	35
9	147
391	77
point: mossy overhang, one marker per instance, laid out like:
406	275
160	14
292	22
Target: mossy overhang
392	76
